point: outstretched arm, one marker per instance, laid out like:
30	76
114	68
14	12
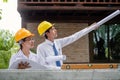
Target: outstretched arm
67	40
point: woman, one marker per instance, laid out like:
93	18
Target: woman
26	42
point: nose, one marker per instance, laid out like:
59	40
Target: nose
32	40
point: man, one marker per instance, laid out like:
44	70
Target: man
49	53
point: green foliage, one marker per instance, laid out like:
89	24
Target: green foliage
5	0
6	40
4	58
7	48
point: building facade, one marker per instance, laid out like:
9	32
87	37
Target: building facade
69	16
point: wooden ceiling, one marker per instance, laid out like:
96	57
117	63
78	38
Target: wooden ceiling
68	10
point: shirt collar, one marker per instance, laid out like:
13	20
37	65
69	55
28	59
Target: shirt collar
22	54
49	42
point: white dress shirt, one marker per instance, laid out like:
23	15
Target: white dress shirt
20	55
45	49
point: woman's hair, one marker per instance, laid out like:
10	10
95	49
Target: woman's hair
20	43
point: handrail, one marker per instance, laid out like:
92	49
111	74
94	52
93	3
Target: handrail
78	3
67	3
101	3
72	1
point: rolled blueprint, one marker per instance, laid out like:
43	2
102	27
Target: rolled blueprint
96	25
108	18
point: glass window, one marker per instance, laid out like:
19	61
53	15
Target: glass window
107	43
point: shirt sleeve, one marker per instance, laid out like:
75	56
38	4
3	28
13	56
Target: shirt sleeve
51	59
12	59
70	39
40	55
41	59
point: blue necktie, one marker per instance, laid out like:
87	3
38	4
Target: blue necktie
56	54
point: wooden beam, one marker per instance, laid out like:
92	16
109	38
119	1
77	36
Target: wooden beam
23	7
90	66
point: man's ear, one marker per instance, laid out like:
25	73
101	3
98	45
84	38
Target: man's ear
47	33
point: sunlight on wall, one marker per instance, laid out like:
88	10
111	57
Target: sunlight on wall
11	19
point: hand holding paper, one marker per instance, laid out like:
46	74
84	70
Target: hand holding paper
117	12
23	65
26	64
50	59
97	25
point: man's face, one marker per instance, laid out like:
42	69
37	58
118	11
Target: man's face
52	33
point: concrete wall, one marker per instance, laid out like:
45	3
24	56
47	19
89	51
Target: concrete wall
75	52
83	74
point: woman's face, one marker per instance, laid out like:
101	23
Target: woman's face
29	42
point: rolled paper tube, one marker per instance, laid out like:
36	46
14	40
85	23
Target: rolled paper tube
94	26
108	18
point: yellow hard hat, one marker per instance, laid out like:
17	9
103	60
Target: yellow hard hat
22	33
44	26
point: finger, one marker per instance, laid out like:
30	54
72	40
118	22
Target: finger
26	63
21	62
28	66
